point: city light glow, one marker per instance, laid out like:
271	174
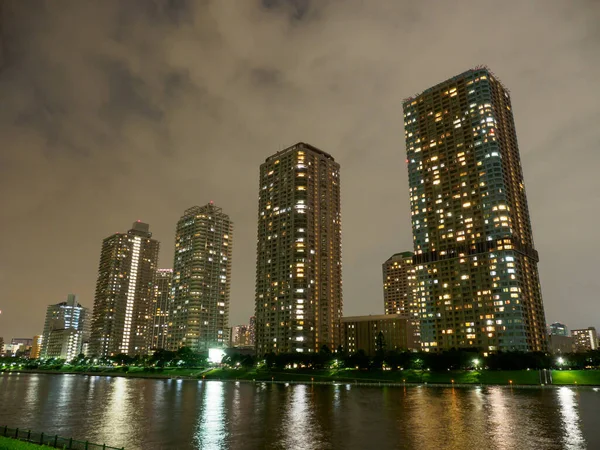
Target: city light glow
215	355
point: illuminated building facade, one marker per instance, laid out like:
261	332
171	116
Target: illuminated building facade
241	336
36	347
122	316
160	308
252	330
65	329
299	252
477	281
585	340
199	313
398	280
558	329
378	333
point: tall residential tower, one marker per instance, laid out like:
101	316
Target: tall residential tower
477	280
160	308
299	252
199	313
122	316
398	280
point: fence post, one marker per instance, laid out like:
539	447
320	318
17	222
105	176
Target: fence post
17	433
103	446
5	429
70	443
55	440
86	445
42	438
28	435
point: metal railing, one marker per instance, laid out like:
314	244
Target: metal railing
52	440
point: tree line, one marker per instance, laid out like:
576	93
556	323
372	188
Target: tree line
326	359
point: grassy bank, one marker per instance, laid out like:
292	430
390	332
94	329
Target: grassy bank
579	377
13	444
521	377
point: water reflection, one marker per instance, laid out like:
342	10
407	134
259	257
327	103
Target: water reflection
299	428
32	390
501	419
212	430
118	414
572	435
186	415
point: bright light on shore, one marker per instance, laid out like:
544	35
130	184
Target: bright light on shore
215	355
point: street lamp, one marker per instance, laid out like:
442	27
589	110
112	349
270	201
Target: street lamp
560	361
476	362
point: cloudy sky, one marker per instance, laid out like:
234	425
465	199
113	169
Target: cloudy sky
113	111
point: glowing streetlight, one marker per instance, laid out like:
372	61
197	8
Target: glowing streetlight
476	362
560	360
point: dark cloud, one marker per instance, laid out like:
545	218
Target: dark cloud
114	111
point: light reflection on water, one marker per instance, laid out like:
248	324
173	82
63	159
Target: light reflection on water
176	414
212	429
502	421
303	430
572	436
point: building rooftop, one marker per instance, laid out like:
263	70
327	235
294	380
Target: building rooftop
400	255
300	144
480	68
375	317
208	208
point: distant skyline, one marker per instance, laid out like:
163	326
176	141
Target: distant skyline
111	114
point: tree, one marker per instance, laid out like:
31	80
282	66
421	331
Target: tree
162	357
189	358
122	359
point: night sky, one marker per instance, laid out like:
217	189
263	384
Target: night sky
113	111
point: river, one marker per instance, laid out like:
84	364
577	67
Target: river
175	414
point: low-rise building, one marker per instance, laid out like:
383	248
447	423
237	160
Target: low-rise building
560	344
19	347
381	332
65	329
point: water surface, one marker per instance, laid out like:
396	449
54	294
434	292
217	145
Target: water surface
176	414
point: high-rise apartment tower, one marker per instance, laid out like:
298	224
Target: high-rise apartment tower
398	281
299	252
477	280
199	311
160	308
122	316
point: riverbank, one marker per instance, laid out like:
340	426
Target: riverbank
470	377
374	377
